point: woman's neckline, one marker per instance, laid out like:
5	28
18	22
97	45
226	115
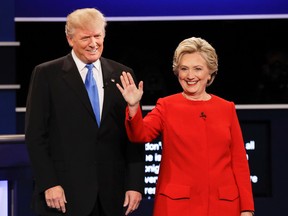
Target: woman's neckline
207	97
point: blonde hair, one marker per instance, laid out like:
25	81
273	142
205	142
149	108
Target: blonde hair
194	44
82	18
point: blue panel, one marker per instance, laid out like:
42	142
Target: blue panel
116	8
13	155
7	20
7	112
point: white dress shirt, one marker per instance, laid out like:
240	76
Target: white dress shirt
97	74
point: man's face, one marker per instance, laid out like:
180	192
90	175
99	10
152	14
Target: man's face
87	43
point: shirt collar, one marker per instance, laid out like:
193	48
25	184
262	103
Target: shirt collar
81	65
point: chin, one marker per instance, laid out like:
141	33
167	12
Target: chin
93	59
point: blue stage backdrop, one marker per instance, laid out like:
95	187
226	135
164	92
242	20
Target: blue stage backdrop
147	8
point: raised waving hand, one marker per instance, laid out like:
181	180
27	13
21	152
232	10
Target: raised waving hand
130	92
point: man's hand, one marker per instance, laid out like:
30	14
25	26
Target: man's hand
55	198
132	200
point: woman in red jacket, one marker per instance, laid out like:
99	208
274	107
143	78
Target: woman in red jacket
204	170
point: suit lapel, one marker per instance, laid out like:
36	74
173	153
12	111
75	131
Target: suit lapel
109	79
72	77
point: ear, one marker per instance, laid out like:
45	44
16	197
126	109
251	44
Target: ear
70	40
209	78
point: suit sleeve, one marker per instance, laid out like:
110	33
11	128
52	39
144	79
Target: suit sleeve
145	130
36	130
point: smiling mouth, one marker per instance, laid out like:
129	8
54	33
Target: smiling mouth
92	51
191	82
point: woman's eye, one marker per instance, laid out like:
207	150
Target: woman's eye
183	69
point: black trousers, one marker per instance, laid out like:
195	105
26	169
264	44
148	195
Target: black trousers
97	210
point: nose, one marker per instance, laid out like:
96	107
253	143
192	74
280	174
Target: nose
190	74
93	42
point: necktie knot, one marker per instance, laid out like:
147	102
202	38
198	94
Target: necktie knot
89	66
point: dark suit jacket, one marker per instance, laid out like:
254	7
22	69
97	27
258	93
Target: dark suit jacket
66	146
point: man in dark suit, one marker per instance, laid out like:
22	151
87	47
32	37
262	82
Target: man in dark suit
81	168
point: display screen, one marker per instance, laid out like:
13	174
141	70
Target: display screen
3	198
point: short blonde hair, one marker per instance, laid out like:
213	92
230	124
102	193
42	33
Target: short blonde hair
81	18
194	44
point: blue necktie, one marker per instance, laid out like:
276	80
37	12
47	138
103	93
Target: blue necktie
92	90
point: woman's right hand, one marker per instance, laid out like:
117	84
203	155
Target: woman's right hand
129	90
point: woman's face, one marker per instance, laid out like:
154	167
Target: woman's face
193	74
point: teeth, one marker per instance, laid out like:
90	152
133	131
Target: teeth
192	82
92	51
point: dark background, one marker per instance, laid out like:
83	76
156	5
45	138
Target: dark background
253	69
253	55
